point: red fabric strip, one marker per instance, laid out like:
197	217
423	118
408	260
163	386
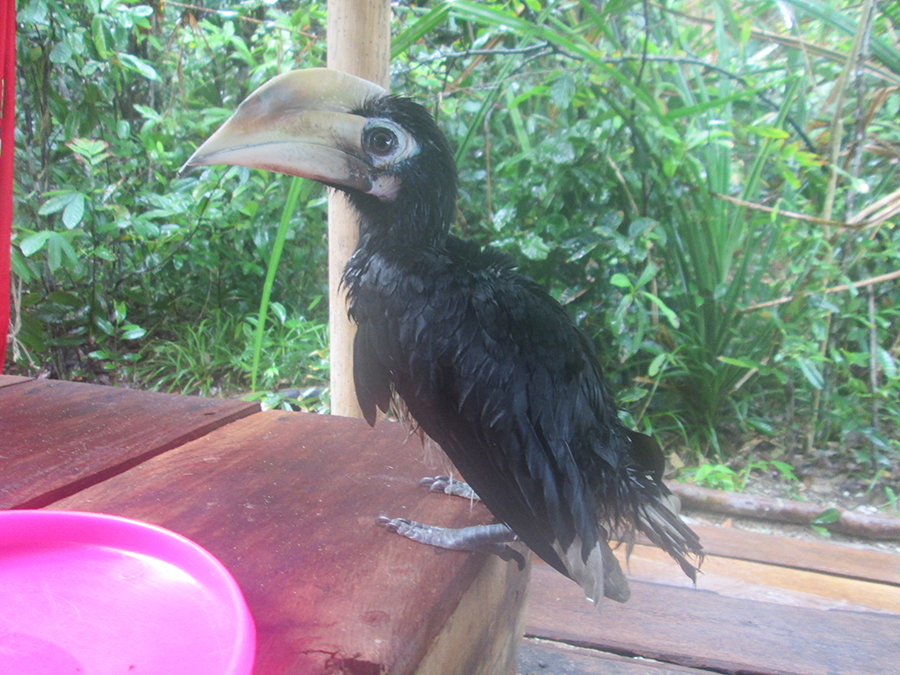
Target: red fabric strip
7	152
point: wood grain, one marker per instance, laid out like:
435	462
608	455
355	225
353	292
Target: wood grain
704	630
57	438
482	636
751	580
288	502
819	556
359	42
8	380
541	657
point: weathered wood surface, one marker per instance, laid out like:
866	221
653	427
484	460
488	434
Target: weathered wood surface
769	583
707	631
542	657
57	438
359	42
9	380
818	556
288	502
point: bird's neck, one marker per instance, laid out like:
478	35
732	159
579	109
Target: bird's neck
411	225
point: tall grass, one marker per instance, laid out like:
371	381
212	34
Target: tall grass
705	124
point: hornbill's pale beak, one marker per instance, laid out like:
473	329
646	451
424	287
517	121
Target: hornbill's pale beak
300	123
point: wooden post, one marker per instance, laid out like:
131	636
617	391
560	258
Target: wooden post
359	43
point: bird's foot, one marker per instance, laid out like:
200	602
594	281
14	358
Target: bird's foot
480	538
449	486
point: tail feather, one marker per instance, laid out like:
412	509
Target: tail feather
600	574
659	520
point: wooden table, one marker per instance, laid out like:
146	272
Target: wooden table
764	604
288	502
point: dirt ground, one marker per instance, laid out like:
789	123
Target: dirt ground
829	478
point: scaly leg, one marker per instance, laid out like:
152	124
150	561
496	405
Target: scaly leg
482	538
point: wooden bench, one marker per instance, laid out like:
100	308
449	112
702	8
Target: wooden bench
764	604
287	501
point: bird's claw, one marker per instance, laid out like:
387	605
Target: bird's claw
448	486
434	482
392	524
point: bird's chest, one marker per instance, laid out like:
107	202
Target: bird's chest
410	309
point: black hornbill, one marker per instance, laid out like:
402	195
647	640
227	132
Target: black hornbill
485	361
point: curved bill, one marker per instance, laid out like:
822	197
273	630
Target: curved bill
300	123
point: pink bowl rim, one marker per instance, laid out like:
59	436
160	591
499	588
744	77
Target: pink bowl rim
48	526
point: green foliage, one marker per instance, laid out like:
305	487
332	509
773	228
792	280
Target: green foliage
827	517
647	163
722	477
111	107
216	356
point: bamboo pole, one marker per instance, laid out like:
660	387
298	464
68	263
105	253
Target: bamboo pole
359	43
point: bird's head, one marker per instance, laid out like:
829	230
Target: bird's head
384	151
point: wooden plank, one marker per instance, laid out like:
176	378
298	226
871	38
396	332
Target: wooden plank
700	629
543	657
288	502
820	556
482	635
9	380
767	583
60	437
358	33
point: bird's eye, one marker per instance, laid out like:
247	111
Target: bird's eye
381	141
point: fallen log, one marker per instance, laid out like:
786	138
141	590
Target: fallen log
785	511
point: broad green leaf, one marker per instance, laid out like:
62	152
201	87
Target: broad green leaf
57	247
148	113
240	48
631	395
656	364
74	211
638	226
56	203
132	332
61	53
620	280
132	62
279	311
670	165
33	243
99	36
105	325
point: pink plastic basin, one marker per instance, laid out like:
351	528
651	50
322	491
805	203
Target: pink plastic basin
91	594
